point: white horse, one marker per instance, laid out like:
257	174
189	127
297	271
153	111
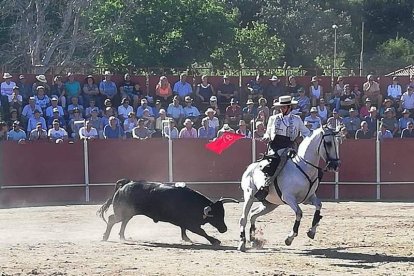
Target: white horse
297	183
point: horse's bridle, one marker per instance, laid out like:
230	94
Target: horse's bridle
329	158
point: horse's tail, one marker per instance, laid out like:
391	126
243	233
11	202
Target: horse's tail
102	210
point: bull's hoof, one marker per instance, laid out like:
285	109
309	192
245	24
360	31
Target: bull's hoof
242	246
311	234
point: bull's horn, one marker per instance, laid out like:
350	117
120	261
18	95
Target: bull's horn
207	210
228	200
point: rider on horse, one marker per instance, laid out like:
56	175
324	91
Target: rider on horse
282	130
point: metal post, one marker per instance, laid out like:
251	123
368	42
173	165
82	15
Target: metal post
378	163
337	182
170	157
86	169
361	57
335	27
253	141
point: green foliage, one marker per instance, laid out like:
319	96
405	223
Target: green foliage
394	53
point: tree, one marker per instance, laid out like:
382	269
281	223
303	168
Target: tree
394	53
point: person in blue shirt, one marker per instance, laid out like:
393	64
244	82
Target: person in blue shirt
113	130
73	88
190	111
182	88
16	134
108	88
175	110
206	131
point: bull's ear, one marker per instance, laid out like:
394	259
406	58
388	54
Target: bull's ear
228	200
207	211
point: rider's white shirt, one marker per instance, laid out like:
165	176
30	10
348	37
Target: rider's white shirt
289	125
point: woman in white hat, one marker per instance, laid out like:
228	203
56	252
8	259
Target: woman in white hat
315	91
282	130
41	81
212	120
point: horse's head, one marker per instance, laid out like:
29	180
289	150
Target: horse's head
328	147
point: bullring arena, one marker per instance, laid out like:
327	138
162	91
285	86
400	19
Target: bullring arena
369	237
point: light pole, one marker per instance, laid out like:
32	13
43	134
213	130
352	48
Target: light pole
335	27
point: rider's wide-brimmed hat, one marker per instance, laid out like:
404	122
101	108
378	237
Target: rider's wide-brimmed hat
284	101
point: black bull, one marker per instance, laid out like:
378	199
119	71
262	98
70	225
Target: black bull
180	206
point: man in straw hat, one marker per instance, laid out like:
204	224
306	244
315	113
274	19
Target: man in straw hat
282	130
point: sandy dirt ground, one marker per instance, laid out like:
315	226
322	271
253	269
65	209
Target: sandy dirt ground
352	239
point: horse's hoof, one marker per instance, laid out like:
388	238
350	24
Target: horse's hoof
288	241
242	246
257	244
311	234
105	237
215	243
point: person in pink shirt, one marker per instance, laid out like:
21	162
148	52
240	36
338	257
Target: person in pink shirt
188	131
364	111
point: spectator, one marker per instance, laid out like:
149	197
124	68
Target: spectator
214	105
408	131
159	123
13	117
108	103
243	129
76	122
41	99
358	95
404	120
54	106
188	131
73	88
56	116
322	111
314	119
372	119
142	107
274	90
249	111
92	105
191	112
149	120
255	88
213	122
56	133
364	111
175	110
28	110
16	134
108	88
260	131
97	122
129	124
263	106
390	122
334	121
384	133
233	113
107	114
3	131
261	116
352	123
16	100
75	106
182	88
339	86
372	90
363	132
124	109
387	104
225	128
58	90
407	99
88	132
6	87
206	131
315	91
91	91
41	81
25	89
39	133
127	90
204	90
156	109
304	102
171	131
35	120
347	101
141	132
226	90
293	88
113	130
394	90
163	91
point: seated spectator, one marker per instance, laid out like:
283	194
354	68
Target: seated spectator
263	106
108	103
182	88
384	133
261	116
191	112
54	106
127	90
56	133
390	122
274	90
315	91
313	119
225	128
303	102
91	91
255	88
129	124
34	120
107	114
28	110
334	121
347	101
144	105
293	88
113	130
213	121
92	105
108	88
38	133
404	120
358	95
6	89
352	123
175	110
188	131
386	105
41	99
363	132
371	90
97	122
58	90
339	86
163	91
149	121
407	99
88	132
73	88
171	131
16	134
233	113
124	109
214	105
394	90
372	119
13	117
334	101
364	111
249	112
41	81
4	129
144	94
25	89
156	109
408	132
260	131
226	90
141	132
242	130
204	90
75	106
159	123
322	111
55	116
16	100
206	131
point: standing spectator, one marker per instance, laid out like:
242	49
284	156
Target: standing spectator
108	88
249	112
73	88
274	90
190	111
347	101
39	133
363	132
263	107
56	133
7	85
204	90
313	119
141	132
175	110
41	81
390	122
182	88
75	106
233	113
188	131
163	91
142	107
76	123
226	90
408	132
334	121
255	88
304	102
96	122
405	119
371	90
35	120
213	121
293	87
372	119
54	106
91	91
3	131
384	133
88	131
129	124
16	100
16	134
113	130
407	99
127	89
322	111
243	129
28	110
56	116
58	90
364	111
41	98
352	123
315	91
206	131
124	109
25	89
171	131
394	91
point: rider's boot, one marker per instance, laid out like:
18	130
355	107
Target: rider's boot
262	193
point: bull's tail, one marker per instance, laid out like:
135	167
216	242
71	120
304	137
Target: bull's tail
102	210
